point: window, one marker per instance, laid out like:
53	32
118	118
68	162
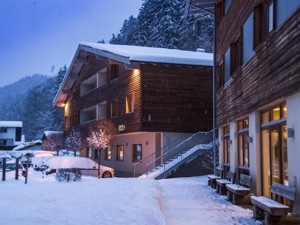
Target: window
226	147
137	152
248	39
270	13
114	71
96	153
101	77
220	76
120	152
226	5
18	133
284	9
114	108
235	54
243	145
102	110
88	84
129	103
107	153
3	142
278	112
258	25
227	71
89	114
3	129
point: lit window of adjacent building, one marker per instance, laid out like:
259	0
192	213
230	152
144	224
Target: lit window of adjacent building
243	143
137	152
275	113
284	9
129	103
120	152
107	153
248	51
226	145
114	108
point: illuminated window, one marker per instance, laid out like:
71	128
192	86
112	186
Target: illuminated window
137	152
120	152
129	103
243	145
107	153
275	113
114	108
226	147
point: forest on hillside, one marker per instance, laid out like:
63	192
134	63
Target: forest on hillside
30	100
165	24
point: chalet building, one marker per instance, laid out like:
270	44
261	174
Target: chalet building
10	134
257	59
152	95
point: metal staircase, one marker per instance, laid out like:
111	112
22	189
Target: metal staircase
172	156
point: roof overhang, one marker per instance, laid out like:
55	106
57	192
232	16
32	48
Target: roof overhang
200	6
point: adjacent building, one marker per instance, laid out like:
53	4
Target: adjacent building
10	134
257	58
152	95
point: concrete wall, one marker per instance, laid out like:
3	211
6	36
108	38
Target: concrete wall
293	144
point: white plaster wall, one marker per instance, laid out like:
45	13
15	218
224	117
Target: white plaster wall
10	135
254	152
221	146
233	146
293	144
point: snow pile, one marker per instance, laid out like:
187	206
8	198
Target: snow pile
117	201
26	144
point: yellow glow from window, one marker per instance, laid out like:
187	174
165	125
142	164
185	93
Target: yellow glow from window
136	72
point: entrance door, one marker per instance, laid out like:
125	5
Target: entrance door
274	155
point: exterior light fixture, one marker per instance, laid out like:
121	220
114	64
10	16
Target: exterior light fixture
230	141
290	132
249	139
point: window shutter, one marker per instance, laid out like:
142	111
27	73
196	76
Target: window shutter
258	25
219	12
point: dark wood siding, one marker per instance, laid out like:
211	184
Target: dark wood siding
127	82
176	98
272	73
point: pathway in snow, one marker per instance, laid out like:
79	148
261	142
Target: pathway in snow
190	201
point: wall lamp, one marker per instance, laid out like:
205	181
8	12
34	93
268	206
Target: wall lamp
230	141
290	132
250	139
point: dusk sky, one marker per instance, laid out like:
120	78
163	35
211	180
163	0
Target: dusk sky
40	36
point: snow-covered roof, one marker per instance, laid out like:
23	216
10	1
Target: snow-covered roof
148	54
27	144
49	133
128	55
11	124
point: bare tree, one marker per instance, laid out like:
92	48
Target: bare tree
73	140
100	135
54	142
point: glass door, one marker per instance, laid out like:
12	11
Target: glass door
274	157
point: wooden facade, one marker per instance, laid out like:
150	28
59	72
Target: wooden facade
273	70
167	98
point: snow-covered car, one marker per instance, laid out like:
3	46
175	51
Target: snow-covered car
40	159
86	165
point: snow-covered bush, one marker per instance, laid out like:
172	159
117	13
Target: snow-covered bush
67	175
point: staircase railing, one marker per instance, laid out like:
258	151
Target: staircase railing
172	150
141	168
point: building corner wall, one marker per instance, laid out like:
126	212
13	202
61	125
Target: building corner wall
293	145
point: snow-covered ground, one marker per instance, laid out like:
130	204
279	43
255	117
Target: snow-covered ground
116	201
